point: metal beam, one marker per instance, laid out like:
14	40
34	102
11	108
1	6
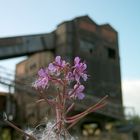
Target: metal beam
26	45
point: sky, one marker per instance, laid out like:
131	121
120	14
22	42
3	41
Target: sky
22	17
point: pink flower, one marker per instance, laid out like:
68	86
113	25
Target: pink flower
79	91
69	76
79	70
59	62
42	81
76	61
56	66
52	68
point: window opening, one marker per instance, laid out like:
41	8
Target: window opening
111	53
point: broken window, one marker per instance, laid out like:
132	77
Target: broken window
111	53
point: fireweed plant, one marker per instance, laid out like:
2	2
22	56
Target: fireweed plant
65	80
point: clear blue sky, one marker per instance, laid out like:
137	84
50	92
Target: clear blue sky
21	17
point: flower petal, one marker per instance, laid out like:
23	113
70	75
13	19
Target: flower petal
41	72
51	67
80	89
80	96
84	76
58	60
76	60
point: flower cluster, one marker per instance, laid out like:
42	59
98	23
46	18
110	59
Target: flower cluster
63	73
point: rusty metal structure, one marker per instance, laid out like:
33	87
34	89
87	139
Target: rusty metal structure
96	44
